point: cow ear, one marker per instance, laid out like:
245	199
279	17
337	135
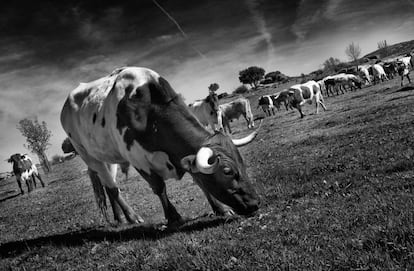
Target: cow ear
188	163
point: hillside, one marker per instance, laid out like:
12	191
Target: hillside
396	49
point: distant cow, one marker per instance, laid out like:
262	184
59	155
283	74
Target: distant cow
25	170
379	73
403	71
364	72
233	110
206	110
301	94
267	105
340	82
390	69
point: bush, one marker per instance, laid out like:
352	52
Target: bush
241	89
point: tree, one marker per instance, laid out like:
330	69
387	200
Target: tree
383	48
240	89
67	146
213	87
251	76
330	65
353	51
37	137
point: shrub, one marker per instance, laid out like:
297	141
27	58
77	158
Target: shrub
241	89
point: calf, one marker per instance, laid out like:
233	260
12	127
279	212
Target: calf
25	171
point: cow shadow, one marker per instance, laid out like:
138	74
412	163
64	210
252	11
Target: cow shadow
110	234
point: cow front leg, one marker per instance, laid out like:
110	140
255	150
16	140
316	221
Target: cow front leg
218	208
19	183
29	185
157	185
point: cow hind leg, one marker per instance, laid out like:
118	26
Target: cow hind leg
39	178
100	176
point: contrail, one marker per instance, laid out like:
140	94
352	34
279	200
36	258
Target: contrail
260	22
178	27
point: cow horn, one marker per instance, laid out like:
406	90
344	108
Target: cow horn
246	140
202	163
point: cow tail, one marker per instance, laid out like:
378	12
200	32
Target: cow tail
99	192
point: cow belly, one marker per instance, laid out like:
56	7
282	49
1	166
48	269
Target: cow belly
147	161
26	174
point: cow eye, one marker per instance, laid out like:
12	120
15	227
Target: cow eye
227	171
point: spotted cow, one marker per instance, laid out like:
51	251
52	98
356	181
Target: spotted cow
133	115
25	171
300	94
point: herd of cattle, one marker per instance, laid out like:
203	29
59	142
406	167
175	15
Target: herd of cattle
134	117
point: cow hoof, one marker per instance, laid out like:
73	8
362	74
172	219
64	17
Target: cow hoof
136	219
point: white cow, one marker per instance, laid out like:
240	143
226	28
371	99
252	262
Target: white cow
233	110
365	73
379	73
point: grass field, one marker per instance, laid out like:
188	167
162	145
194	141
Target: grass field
336	189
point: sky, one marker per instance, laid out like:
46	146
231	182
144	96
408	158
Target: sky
48	47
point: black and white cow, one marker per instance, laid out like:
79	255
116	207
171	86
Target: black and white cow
267	105
25	171
133	115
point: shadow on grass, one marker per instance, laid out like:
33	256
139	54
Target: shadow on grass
9	197
138	232
406	88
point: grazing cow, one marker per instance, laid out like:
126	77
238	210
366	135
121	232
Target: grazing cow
340	82
267	105
206	110
277	101
233	110
379	73
133	115
390	69
365	74
304	93
25	171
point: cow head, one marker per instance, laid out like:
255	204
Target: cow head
15	158
219	166
17	161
